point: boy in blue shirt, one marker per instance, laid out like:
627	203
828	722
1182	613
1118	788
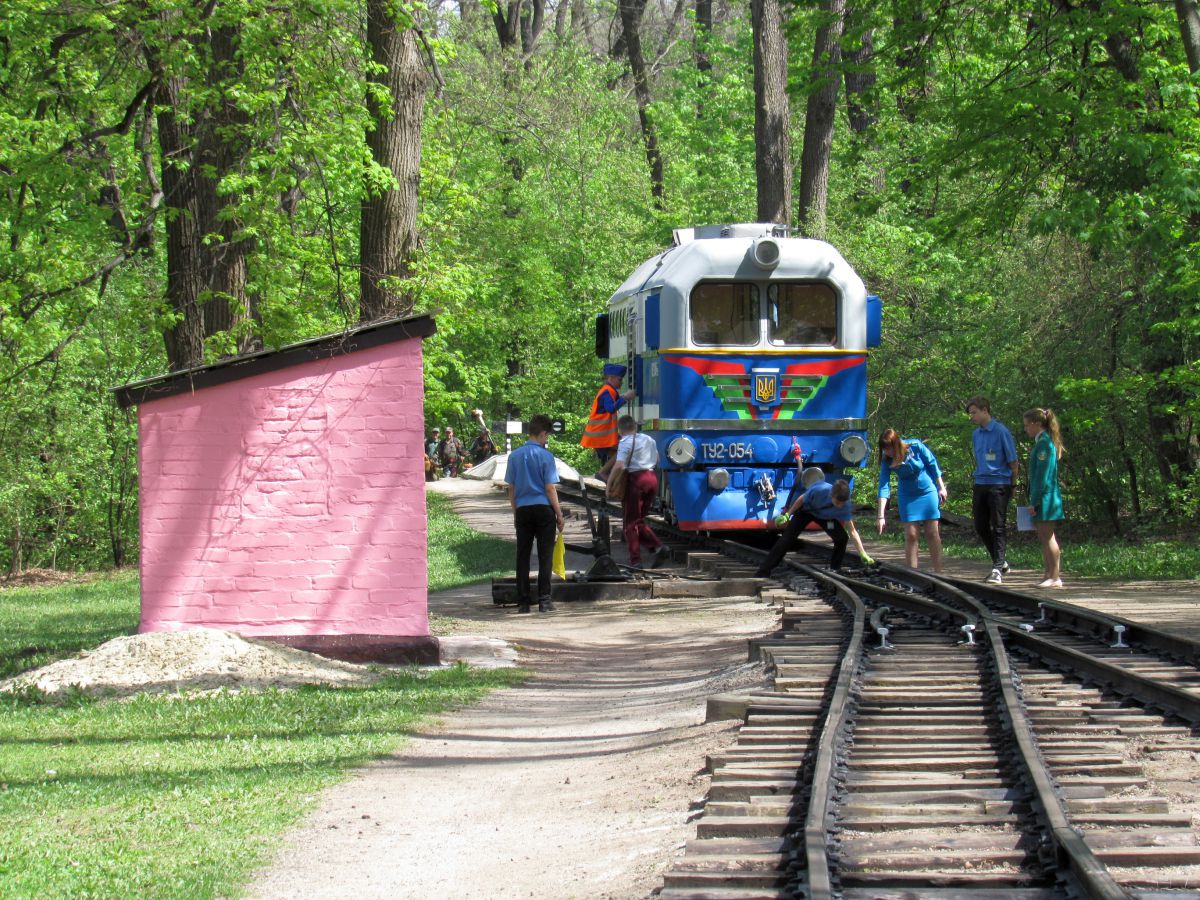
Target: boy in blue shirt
829	506
995	475
531	478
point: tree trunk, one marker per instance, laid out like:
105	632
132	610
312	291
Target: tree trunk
819	119
222	148
206	277
772	116
581	22
508	22
702	35
860	74
185	281
560	21
631	21
533	21
388	226
1189	31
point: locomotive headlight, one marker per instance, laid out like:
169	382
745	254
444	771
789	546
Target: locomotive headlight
810	476
682	451
853	449
766	253
718	479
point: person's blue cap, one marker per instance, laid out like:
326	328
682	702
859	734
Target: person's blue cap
614	369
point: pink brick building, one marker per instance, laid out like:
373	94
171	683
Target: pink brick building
283	495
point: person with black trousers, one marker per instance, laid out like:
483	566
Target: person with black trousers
531	478
829	506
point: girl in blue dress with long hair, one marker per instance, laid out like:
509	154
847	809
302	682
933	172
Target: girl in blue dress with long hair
919	496
1045	498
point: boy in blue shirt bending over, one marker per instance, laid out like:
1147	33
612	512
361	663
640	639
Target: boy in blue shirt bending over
995	475
829	506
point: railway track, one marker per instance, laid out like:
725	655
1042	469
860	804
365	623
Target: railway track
902	752
938	784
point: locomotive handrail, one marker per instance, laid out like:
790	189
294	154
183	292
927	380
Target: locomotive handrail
786	426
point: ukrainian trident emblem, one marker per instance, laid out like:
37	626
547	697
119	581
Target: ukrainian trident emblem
766	388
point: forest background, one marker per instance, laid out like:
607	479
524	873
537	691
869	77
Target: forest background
183	180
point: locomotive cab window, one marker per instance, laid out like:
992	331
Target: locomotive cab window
802	314
725	313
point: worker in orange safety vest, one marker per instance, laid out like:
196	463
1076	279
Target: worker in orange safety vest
601	431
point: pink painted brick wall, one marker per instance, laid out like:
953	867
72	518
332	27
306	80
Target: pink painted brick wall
289	503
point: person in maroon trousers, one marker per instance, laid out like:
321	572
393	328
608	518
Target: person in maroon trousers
638	455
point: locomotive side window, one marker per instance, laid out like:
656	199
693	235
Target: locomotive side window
802	314
725	313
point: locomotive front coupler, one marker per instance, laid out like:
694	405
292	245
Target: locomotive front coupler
766	488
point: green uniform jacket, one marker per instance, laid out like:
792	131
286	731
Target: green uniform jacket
1044	495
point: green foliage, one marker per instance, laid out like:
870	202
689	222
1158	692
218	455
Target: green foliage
1025	200
1137	559
1031	206
530	225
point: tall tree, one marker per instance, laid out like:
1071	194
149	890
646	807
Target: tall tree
196	62
396	101
819	118
1188	13
772	114
631	28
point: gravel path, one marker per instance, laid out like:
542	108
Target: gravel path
579	783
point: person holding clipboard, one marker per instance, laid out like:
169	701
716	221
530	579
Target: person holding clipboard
1045	498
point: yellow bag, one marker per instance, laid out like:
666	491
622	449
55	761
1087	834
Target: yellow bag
559	564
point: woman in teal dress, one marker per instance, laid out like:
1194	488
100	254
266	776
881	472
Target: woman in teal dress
1045	499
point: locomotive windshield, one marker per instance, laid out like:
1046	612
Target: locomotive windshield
725	313
802	313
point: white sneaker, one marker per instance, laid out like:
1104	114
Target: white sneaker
995	577
1004	567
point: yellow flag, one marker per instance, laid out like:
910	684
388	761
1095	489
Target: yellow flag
559	565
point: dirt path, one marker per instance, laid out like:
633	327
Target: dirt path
577	784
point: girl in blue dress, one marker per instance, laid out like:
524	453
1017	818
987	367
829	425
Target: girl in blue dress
1045	499
920	493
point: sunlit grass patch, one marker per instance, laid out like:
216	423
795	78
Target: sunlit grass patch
39	625
459	555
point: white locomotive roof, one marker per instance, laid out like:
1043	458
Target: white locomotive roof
725	252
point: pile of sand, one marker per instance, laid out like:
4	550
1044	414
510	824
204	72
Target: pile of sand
196	660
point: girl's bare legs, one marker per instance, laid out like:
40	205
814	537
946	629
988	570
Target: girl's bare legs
911	535
1051	554
933	537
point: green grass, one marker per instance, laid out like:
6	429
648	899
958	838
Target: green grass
41	625
184	797
161	797
1121	560
459	555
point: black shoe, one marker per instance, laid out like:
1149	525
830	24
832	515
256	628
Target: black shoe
659	555
546	605
762	573
523	607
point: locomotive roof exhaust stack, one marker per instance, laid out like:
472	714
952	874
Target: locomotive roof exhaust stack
765	253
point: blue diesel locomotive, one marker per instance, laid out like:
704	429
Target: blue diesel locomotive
748	352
